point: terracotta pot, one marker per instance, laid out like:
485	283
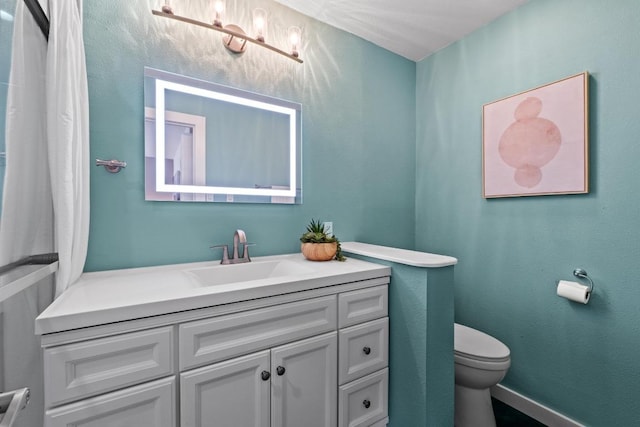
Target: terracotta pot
319	251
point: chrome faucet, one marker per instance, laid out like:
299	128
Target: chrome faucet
239	239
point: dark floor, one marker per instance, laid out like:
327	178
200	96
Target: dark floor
506	416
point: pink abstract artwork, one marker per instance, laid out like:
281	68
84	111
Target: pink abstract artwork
535	143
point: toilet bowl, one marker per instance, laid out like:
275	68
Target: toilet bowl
481	361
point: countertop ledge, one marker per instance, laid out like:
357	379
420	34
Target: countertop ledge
401	256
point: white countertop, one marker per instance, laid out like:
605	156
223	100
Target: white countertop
118	295
401	256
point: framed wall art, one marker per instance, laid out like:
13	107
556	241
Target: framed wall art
536	142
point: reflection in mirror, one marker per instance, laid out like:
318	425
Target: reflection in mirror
184	154
208	142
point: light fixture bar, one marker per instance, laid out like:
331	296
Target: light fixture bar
226	31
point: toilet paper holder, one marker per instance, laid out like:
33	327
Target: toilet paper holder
579	272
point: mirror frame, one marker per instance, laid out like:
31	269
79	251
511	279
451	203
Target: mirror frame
168	81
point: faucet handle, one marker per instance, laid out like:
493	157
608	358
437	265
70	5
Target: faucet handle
225	253
245	251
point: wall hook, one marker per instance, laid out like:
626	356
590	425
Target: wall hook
112	166
578	272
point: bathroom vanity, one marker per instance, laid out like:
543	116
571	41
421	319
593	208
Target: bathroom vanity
280	341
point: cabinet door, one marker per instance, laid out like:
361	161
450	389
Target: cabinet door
304	383
150	404
233	393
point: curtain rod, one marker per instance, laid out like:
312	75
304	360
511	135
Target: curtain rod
39	16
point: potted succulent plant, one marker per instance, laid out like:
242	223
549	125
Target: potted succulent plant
317	245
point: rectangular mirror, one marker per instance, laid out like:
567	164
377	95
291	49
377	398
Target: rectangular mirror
212	143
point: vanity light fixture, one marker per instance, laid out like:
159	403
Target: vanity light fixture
235	39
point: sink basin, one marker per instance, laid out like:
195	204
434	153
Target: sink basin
235	273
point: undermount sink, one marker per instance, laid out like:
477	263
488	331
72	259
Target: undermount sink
235	273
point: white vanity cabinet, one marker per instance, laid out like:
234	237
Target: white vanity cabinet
313	358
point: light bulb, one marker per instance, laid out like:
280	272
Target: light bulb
219	8
294	40
260	24
166	8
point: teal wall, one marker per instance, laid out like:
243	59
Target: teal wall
358	134
580	360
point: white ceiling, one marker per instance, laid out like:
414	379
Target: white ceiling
411	28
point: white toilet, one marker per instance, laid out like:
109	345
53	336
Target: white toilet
481	361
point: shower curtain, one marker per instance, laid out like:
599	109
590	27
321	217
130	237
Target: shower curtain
46	194
68	138
26	225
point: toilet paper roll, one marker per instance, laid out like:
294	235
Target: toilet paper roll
574	291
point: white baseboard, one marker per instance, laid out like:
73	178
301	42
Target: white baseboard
532	408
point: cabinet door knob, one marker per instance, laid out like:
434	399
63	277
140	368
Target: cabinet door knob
265	375
366	350
366	403
280	370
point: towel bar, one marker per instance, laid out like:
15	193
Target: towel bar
11	404
112	166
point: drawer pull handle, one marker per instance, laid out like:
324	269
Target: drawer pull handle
280	370
366	403
366	350
265	375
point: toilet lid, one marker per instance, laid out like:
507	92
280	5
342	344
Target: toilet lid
473	344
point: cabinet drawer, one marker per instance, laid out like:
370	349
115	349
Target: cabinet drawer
150	404
363	402
223	337
363	349
362	305
84	369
